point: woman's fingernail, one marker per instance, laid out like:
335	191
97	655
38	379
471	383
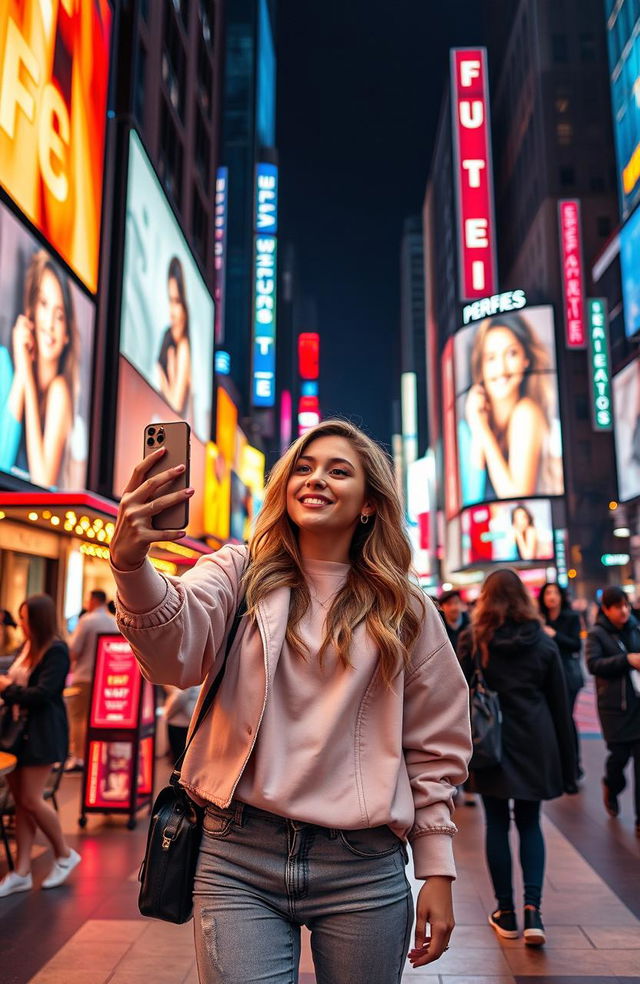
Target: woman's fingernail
180	468
189	492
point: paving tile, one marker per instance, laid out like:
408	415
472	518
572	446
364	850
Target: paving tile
456	962
621	962
473	977
570	937
532	962
76	957
110	930
139	970
470	913
614	937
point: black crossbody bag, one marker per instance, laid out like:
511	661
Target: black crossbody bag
168	868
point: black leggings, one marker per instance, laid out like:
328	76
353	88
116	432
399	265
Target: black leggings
526	814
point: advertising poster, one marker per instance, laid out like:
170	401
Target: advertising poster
630	267
624	59
46	362
167	311
117	682
626	402
54	74
507	532
508	424
109	774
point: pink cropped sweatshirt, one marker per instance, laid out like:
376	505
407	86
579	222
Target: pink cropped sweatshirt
404	749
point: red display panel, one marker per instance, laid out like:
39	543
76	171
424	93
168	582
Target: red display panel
473	172
308	413
116	688
109	774
572	273
308	355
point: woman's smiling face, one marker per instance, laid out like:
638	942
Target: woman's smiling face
327	488
49	319
504	363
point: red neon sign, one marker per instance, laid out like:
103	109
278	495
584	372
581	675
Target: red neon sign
473	172
572	273
451	483
308	413
308	355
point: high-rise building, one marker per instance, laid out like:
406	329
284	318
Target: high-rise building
412	321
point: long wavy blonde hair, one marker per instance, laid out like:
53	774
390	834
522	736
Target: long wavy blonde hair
377	590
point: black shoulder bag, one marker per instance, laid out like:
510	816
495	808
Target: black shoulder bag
168	868
486	722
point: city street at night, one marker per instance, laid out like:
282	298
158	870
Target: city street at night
319	492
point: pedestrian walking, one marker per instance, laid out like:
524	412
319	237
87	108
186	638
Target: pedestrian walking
455	617
340	728
613	656
522	665
82	645
32	691
563	626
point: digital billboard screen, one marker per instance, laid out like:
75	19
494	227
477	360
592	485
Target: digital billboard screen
507	532
626	402
167	325
508	431
46	363
54	72
623	38
630	267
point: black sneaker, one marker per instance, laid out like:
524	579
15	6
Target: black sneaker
610	801
533	928
504	923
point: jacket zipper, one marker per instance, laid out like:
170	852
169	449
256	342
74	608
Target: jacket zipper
264	702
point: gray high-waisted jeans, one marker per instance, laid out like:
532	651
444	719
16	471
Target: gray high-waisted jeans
260	877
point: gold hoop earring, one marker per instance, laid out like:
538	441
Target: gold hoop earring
364	519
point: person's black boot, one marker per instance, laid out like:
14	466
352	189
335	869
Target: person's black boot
610	801
504	923
533	929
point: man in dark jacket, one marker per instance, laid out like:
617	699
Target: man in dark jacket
613	656
455	618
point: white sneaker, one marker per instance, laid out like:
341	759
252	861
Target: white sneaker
13	882
61	870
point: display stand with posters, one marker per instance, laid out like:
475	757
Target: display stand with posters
120	743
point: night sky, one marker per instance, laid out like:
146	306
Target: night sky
360	84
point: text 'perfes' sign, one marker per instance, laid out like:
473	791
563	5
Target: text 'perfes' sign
572	272
599	365
54	71
264	321
473	172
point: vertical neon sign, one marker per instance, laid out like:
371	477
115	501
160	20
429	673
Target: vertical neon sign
265	288
473	172
599	365
220	249
572	273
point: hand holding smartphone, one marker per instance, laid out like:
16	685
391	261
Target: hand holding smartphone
175	436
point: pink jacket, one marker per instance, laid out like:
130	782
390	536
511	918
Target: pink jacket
412	742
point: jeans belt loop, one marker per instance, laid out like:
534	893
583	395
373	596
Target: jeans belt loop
239	814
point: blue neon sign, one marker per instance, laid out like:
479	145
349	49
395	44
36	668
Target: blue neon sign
264	321
266	217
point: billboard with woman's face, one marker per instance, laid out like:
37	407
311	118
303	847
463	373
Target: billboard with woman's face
506	532
46	362
167	311
508	424
626	401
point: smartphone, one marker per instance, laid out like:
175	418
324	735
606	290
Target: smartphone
175	436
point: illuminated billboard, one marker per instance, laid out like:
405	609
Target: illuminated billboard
599	365
506	532
626	402
623	38
220	248
266	217
46	364
309	355
264	321
166	335
630	269
54	70
508	426
451	482
473	172
572	273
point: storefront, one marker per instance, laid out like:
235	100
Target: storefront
58	542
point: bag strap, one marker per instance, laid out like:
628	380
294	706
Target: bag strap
213	689
477	669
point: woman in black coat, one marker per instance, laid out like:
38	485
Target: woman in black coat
563	626
522	664
32	690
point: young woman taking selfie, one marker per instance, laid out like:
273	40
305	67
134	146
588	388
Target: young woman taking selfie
340	730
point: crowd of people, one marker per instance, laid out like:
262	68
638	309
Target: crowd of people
531	655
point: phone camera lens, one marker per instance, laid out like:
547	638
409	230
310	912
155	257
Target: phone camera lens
160	437
150	442
151	430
